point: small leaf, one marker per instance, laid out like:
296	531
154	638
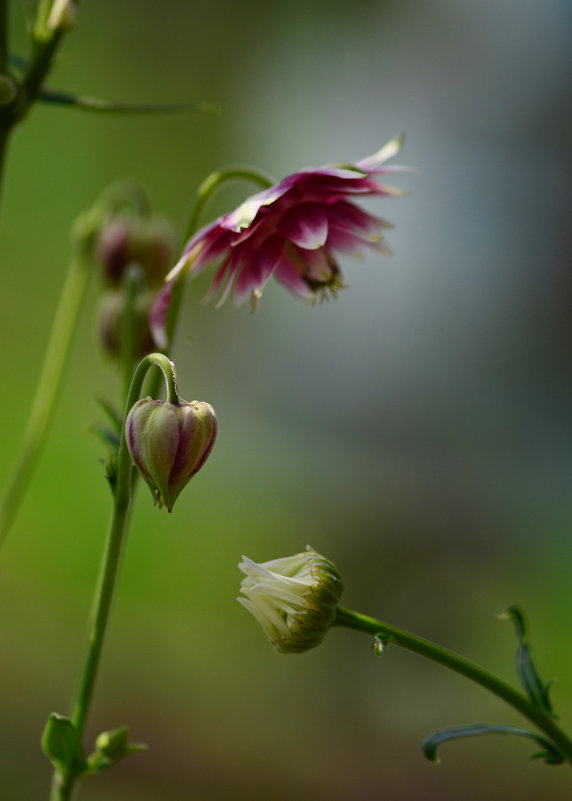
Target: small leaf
107	435
551	755
106	106
61	743
525	667
113	415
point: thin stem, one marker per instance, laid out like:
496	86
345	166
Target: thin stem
204	192
62	786
132	287
4	139
111	558
213	181
472	671
61	789
48	387
4	18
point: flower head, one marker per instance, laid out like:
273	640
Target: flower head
169	443
294	599
292	230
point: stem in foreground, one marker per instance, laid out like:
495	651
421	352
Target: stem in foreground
472	671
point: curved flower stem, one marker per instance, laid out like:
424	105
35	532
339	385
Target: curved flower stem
204	192
213	181
110	564
59	345
472	671
105	590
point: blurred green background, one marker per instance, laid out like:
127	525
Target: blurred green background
416	431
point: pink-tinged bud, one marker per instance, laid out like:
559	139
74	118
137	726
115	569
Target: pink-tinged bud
115	250
169	443
111	316
147	242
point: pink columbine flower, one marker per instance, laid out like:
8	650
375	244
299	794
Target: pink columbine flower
290	231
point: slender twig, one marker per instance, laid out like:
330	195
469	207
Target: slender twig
213	181
4	21
47	390
472	671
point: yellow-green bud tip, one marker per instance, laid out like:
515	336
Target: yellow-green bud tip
294	599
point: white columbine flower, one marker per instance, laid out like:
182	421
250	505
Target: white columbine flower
294	599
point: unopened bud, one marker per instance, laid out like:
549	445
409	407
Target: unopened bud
111	323
115	250
294	599
169	443
130	240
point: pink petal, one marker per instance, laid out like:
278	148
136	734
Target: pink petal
346	242
203	248
347	217
289	276
306	225
158	314
244	215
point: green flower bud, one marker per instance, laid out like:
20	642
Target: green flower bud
169	443
113	743
294	599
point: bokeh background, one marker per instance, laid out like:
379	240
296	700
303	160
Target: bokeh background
417	430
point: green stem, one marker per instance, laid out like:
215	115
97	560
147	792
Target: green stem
204	192
62	786
4	20
213	181
4	138
47	390
61	789
132	288
472	671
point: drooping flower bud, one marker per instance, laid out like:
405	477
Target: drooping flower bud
169	443
294	599
127	240
111	329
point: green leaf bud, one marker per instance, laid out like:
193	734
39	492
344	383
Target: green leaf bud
294	599
110	747
169	443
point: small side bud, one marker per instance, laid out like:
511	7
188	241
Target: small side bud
114	250
294	599
111	315
111	747
127	240
169	443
